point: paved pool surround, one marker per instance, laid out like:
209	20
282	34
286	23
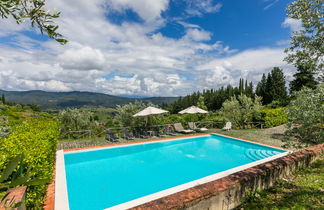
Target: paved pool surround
223	193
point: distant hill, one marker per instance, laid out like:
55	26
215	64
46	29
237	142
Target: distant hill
59	100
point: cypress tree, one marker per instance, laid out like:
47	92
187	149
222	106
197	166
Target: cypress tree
278	87
241	86
303	77
268	90
3	99
249	91
261	88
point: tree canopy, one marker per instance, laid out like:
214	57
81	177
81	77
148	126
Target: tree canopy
302	78
35	11
306	116
307	45
273	87
240	110
212	99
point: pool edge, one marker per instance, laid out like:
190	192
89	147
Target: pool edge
123	144
61	195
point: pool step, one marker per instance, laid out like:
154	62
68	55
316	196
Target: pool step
258	154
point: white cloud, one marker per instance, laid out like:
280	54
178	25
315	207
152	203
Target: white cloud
200	7
148	10
283	42
188	25
269	5
249	64
84	58
197	35
154	64
292	24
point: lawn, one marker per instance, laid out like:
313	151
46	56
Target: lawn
271	136
303	190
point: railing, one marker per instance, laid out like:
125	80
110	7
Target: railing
207	124
86	138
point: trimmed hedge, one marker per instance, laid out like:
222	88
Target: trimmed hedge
36	139
273	117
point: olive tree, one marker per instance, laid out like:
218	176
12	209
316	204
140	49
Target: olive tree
35	11
75	120
306	115
241	109
124	114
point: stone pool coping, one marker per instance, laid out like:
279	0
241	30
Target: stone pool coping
51	202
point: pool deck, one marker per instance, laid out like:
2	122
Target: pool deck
59	199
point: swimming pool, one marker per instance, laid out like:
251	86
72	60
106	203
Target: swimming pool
124	176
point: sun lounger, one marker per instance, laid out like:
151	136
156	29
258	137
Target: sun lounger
127	134
168	130
158	133
141	134
144	135
110	135
228	126
179	128
194	127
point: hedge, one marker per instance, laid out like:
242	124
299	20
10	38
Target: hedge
36	139
273	117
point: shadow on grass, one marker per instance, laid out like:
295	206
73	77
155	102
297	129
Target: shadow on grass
279	136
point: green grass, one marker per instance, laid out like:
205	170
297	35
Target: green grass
304	190
258	135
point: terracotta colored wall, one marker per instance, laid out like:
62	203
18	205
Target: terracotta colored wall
14	196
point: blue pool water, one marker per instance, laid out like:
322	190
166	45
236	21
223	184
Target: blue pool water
103	178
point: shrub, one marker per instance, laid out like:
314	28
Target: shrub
306	115
36	140
241	110
272	117
171	119
124	115
214	117
74	120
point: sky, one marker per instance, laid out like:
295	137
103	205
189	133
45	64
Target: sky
148	47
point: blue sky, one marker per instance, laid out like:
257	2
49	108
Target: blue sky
240	24
148	48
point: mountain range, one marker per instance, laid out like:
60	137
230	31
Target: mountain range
60	100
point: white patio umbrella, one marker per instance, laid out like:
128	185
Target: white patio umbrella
150	111
193	110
